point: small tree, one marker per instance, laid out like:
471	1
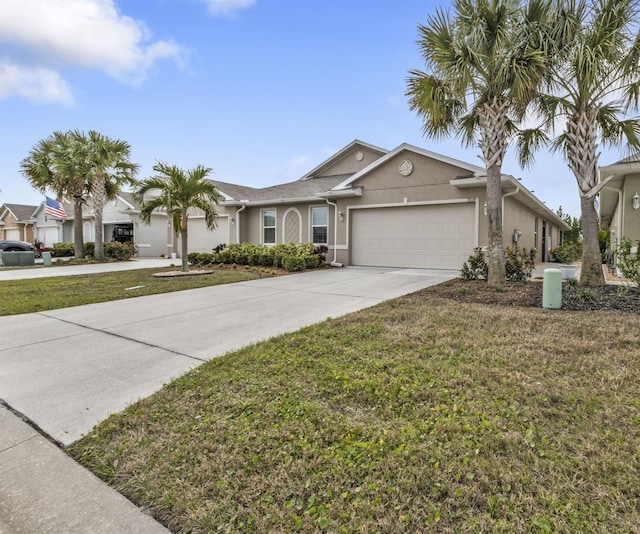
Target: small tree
178	192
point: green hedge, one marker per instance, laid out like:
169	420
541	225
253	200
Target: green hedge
305	256
112	251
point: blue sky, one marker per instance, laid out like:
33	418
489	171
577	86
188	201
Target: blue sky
262	91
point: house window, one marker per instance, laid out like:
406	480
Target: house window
269	227
319	225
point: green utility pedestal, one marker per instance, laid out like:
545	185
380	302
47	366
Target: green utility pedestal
46	258
552	289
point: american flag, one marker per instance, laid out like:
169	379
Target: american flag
53	208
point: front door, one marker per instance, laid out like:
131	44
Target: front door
544	241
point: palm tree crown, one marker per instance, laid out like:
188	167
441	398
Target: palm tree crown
179	191
485	64
592	85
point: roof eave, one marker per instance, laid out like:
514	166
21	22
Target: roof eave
342	193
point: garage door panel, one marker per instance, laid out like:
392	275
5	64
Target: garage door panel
201	239
435	236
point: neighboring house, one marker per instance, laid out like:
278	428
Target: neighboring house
407	207
121	222
17	222
620	200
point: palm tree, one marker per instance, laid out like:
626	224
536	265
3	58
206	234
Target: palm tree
486	62
60	163
179	191
111	169
593	84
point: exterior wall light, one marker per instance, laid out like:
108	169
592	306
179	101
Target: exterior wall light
484	208
636	201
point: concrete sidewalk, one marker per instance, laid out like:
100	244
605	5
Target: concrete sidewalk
40	271
66	370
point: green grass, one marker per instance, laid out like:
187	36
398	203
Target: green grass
417	415
40	294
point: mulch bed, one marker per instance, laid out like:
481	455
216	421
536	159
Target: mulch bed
615	298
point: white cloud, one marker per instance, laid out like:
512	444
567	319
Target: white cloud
36	84
227	7
54	34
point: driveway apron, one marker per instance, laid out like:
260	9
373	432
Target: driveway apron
66	370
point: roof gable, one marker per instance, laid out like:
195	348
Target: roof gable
363	153
20	212
472	169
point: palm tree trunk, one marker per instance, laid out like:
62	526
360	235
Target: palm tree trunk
78	238
496	263
185	249
583	161
591	272
99	197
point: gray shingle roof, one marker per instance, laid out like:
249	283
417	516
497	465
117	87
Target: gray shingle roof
296	189
22	212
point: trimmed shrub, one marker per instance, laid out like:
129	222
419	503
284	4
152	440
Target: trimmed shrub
89	249
293	263
118	251
62	250
270	256
519	263
201	258
629	260
567	253
477	268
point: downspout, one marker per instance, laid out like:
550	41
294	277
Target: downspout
515	191
238	222
334	263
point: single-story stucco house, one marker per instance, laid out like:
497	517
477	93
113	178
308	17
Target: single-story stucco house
620	200
407	207
17	222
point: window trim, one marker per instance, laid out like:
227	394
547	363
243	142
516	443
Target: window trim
263	227
312	226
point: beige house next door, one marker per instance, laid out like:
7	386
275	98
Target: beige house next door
435	236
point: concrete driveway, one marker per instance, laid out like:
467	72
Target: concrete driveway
67	370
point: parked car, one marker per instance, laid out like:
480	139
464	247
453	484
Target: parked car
11	246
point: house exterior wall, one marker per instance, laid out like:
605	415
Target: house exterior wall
11	226
428	183
349	162
155	239
631	223
251	221
520	217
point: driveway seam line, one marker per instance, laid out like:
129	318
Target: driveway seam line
120	336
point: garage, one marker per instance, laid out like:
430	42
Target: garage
201	239
12	234
49	235
438	236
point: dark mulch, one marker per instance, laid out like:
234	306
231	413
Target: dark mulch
622	299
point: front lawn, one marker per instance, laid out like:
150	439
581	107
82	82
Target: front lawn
40	294
421	414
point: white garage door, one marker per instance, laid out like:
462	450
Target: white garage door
49	235
203	240
12	234
435	236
